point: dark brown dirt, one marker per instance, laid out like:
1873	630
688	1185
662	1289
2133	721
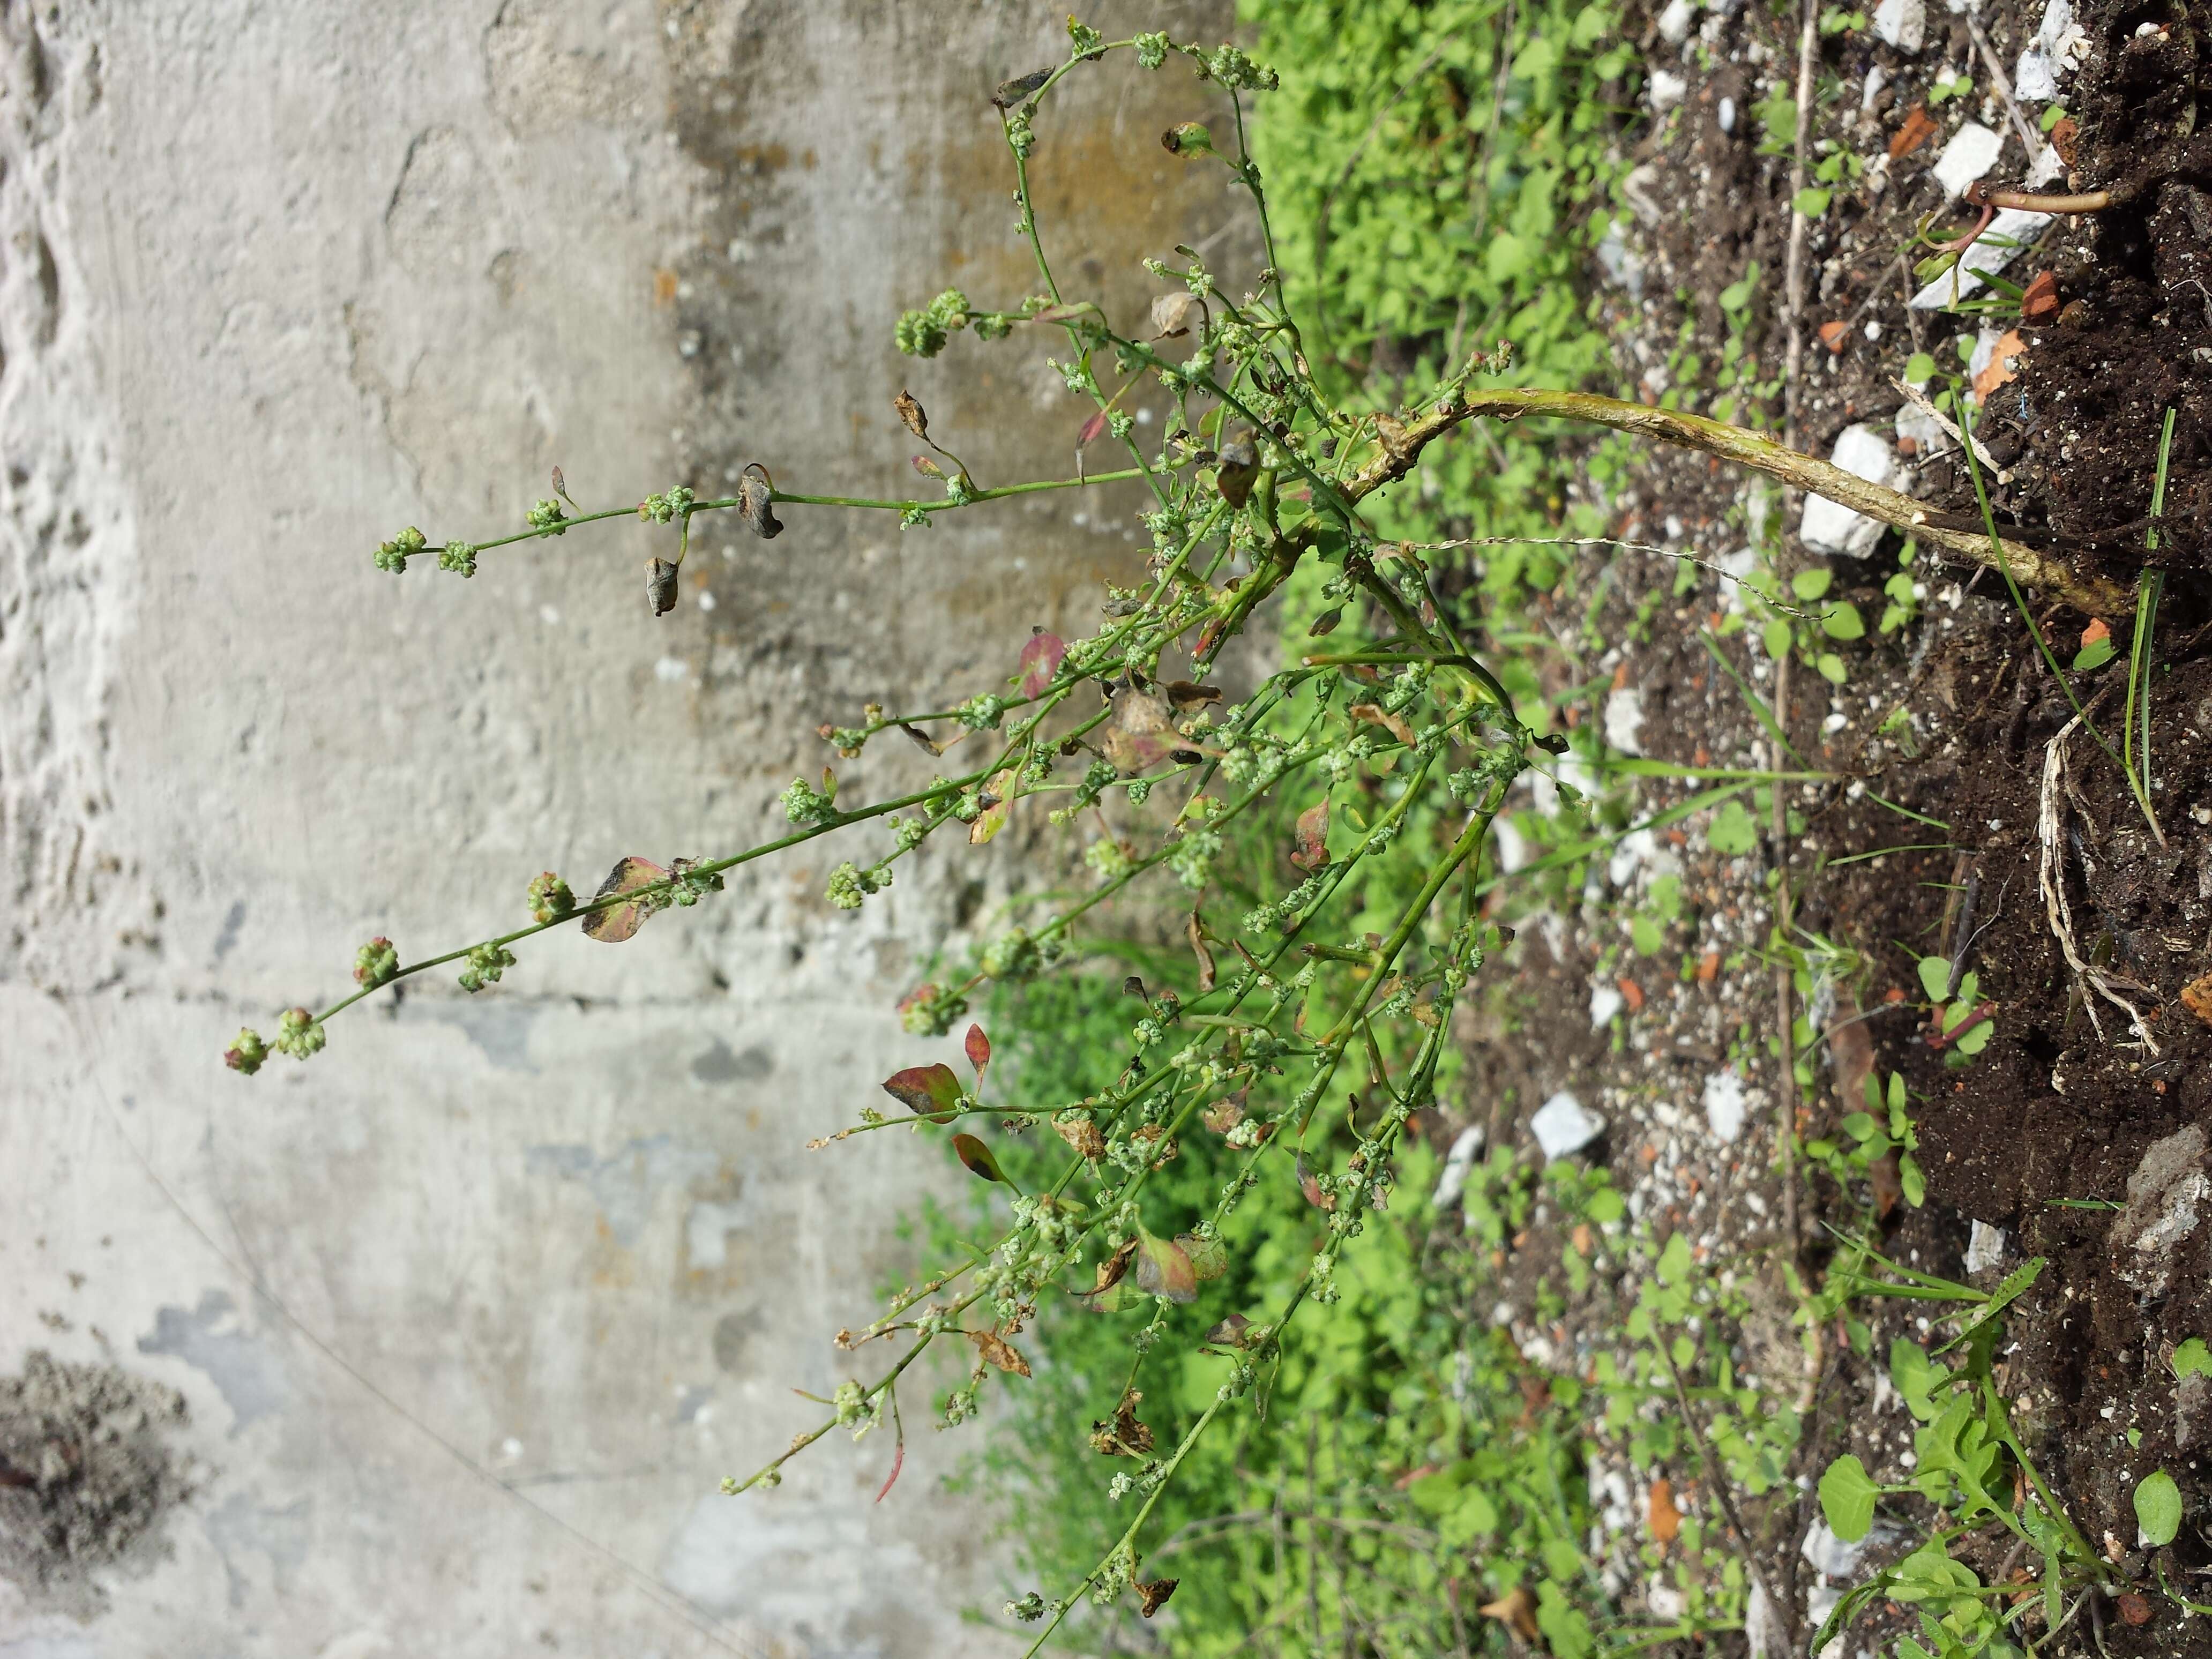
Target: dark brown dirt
2073	1133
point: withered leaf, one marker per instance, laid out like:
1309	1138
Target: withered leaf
1229	1332
1163	1144
997	1351
978	1157
1209	1257
1134	987
1164	1269
755	488
1011	92
911	411
922	739
1377	715
1326	622
1517	1609
1152	1597
1194	930
998	791
1141	734
979	1050
898	1462
1081	1134
1225	1115
1665	1519
1123	1435
1187	694
616	922
1114	1265
932	1090
661	586
1040	662
1236	469
1171	314
1392	430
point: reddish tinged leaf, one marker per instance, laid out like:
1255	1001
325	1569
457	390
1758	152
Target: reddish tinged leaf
1041	660
1092	428
1311	1188
1163	1269
978	1158
927	468
898	1462
979	1050
1152	1597
1313	838
1141	734
932	1091
616	922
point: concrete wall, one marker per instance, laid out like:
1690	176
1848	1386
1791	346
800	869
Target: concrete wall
472	1313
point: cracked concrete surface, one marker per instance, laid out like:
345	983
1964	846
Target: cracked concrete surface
472	1313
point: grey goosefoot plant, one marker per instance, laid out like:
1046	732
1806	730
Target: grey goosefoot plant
1257	472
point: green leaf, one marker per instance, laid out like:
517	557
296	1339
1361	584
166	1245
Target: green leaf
1920	368
1474	1516
1776	637
1811	203
1606	1205
1847	1495
1675	1263
1812	584
1733	831
1896	1091
2095	654
2193	1359
1935	977
1646	935
1842	621
1910	1177
1916	1377
2157	1509
1209	1257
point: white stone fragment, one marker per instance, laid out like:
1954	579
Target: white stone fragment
1667	89
1725	114
1828	1555
1986	1247
1667	1603
1674	21
1724	1104
1562	1124
1623	719
1457	1162
2035	77
1971	152
1902	23
1621	264
1606	1001
1829	528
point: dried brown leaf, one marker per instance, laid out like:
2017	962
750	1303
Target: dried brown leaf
1171	314
1152	1597
1312	851
1123	1435
1081	1134
997	1351
911	411
1011	92
1516	1610
1193	929
755	507
1375	714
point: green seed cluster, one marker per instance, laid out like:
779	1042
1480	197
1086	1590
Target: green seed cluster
459	557
549	515
299	1034
672	503
394	554
486	963
550	900
375	963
